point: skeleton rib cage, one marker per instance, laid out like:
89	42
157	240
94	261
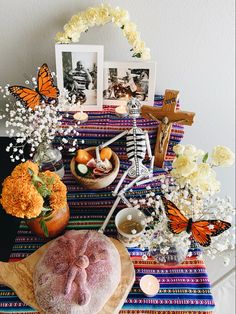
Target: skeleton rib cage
136	144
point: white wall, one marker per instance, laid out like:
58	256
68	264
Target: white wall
191	40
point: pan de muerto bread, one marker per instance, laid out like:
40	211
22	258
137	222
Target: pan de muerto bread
78	273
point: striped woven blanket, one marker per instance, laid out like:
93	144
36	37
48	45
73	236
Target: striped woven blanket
184	288
105	125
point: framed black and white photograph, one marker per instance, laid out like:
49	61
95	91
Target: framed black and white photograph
125	80
80	72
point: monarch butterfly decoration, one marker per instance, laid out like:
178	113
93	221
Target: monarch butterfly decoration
45	90
201	230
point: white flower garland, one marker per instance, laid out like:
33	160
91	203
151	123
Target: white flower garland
102	15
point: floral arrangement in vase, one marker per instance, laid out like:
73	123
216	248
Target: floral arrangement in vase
187	208
102	15
36	119
38	197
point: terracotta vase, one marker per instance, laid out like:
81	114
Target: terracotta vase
55	222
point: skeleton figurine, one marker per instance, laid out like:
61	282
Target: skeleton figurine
137	143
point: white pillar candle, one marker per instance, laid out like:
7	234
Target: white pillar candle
121	111
81	116
149	285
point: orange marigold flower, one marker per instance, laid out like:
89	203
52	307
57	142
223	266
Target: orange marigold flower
21	170
58	188
20	198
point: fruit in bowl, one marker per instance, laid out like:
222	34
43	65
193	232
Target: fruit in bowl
82	156
87	166
94	174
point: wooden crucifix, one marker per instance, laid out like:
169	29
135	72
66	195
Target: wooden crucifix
166	116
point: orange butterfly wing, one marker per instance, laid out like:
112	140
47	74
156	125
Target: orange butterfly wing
177	222
45	83
203	230
29	96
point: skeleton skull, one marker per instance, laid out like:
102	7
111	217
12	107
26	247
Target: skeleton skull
133	107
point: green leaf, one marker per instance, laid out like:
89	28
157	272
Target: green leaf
137	55
205	157
44	227
46	210
41	183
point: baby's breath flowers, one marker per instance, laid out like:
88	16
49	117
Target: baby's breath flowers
201	206
101	15
157	240
191	186
38	127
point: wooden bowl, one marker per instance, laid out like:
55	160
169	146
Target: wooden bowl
98	183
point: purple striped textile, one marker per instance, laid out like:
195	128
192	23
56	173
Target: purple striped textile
184	288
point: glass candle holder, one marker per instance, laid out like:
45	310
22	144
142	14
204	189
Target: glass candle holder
130	223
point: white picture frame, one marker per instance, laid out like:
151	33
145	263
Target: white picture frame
80	71
122	80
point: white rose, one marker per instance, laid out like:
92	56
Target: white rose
91	16
146	55
178	149
119	16
81	27
139	46
184	166
182	181
200	153
133	37
75	19
194	179
204	179
62	38
69	30
222	156
190	151
104	15
211	185
129	27
75	37
206	171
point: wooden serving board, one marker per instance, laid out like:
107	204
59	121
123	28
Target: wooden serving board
18	276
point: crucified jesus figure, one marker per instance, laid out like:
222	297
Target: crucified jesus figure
164	126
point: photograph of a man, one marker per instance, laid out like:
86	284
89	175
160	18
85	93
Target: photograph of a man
81	77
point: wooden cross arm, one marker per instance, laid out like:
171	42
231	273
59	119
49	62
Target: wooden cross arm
180	117
146	110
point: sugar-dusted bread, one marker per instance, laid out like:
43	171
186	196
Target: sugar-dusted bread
77	274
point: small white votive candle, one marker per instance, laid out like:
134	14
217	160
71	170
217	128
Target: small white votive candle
81	116
149	285
121	111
